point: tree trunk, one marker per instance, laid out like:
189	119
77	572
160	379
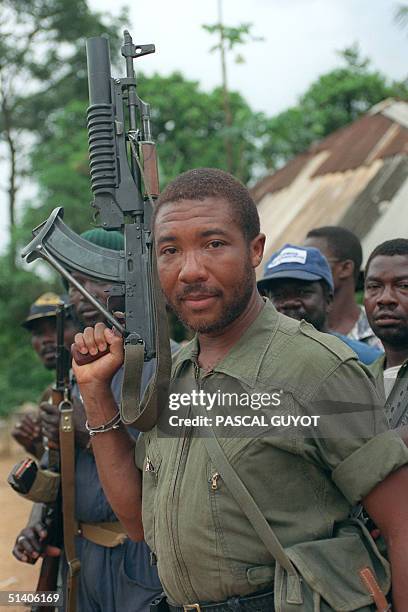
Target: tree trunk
226	98
12	186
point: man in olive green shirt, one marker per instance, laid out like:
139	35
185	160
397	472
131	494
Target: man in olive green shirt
208	245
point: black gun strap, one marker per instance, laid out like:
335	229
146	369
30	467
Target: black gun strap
67	451
144	414
397	403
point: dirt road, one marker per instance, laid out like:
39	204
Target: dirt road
14	511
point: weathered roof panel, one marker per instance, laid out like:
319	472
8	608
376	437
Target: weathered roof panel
381	133
281	178
287	216
351	148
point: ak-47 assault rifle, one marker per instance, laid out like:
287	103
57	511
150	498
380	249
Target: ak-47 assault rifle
52	489
124	183
59	517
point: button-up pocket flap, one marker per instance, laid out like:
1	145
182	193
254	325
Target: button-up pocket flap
260	574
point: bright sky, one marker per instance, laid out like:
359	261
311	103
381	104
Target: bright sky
300	41
301	38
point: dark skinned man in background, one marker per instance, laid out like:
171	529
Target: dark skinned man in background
299	283
343	251
386	304
41	323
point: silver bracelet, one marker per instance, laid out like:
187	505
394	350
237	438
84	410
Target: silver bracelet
113	423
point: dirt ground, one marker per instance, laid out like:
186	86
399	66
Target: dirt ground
14	511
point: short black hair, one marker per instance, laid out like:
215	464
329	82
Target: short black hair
201	183
397	246
343	243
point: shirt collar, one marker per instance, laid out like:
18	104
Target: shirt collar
244	359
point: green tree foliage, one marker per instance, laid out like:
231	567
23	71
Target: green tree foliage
189	127
60	168
401	14
187	124
42	70
22	376
42	67
334	100
228	39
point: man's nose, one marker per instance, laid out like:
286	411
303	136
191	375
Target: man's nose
47	337
387	297
90	287
192	269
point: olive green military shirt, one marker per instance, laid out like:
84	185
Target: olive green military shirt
303	480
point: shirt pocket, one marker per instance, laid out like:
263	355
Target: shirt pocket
219	503
151	471
237	542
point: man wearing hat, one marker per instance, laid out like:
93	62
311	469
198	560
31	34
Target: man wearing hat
299	282
116	574
41	323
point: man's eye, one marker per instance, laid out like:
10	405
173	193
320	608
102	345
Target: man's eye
169	251
215	244
403	285
372	286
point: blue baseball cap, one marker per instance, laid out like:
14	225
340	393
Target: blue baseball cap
291	261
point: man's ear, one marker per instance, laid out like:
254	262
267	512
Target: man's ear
345	269
329	301
256	249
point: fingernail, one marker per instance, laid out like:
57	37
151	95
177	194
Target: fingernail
93	351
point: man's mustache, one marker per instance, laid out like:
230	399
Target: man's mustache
197	289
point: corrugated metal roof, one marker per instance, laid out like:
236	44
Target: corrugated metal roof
396	110
281	178
287	215
353	178
351	147
381	133
393	222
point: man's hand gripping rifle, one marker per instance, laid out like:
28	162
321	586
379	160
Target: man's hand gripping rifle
124	183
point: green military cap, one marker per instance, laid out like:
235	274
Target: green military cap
109	239
44	306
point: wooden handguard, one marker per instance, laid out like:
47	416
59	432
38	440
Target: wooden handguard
151	175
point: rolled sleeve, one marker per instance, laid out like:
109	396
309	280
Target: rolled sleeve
369	465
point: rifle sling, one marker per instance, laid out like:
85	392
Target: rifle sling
144	414
397	402
67	451
253	513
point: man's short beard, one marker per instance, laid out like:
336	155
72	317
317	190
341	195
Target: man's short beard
397	338
234	309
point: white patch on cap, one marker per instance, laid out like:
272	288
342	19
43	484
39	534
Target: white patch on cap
289	255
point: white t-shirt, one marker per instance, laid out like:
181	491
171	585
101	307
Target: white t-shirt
390	376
